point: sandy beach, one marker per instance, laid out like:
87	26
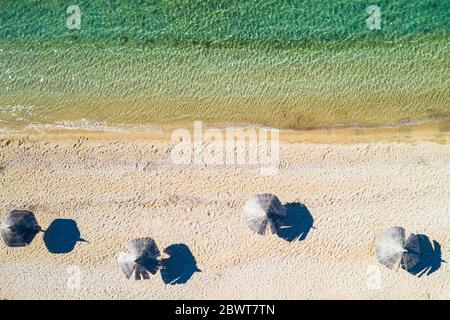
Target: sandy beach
117	188
97	95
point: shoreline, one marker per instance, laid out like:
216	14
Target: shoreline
427	130
129	120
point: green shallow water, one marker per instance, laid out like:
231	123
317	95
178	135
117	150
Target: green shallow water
284	64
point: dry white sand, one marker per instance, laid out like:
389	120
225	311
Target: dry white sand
119	189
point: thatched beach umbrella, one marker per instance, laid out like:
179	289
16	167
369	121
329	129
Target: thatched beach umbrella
142	260
262	211
19	228
393	251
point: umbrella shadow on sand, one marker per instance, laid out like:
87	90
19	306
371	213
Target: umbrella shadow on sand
297	224
179	267
430	259
62	235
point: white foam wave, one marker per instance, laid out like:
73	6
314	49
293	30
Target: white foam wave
90	125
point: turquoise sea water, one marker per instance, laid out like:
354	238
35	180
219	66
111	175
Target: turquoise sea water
292	64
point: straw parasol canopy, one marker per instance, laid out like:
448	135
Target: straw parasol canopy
142	260
393	251
262	211
19	228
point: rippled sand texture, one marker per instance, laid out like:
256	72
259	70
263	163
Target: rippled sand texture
117	190
284	65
